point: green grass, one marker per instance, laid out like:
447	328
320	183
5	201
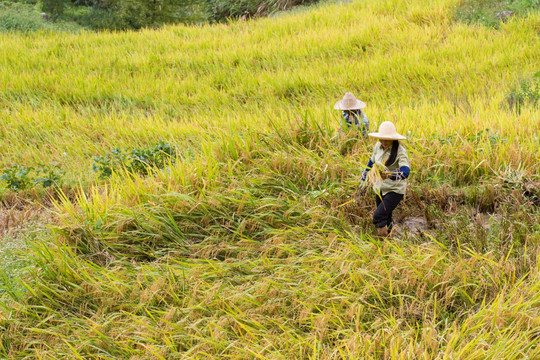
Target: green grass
485	11
250	245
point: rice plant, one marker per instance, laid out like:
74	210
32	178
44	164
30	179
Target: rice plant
249	244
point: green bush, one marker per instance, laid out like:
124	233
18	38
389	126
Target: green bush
53	8
20	17
132	14
24	17
94	18
137	14
220	10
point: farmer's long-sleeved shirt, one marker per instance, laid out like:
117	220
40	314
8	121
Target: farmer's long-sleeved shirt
354	119
401	168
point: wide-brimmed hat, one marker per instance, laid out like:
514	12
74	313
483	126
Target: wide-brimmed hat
349	102
387	131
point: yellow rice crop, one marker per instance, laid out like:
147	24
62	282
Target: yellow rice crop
249	246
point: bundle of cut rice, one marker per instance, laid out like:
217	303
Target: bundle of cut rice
375	175
373	179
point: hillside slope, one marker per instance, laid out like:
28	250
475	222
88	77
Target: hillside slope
250	245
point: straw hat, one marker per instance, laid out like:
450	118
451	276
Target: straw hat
349	102
387	131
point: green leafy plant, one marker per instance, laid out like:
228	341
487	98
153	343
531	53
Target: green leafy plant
49	175
135	161
17	177
141	160
104	165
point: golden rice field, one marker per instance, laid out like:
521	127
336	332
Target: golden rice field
249	245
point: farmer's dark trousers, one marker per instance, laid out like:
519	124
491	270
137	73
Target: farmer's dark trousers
383	214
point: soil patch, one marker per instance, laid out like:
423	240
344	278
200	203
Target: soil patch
414	224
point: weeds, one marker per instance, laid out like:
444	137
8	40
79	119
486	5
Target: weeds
135	161
49	175
18	177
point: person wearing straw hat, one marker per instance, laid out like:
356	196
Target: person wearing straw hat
391	161
352	113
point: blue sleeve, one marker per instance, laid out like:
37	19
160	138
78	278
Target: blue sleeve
368	167
402	173
347	119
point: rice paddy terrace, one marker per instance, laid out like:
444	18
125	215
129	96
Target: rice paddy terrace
247	243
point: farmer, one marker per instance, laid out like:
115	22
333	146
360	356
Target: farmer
352	113
390	160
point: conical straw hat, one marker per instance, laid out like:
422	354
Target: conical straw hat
387	131
349	102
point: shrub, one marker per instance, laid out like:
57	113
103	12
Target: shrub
94	18
54	8
24	17
220	10
137	14
20	17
